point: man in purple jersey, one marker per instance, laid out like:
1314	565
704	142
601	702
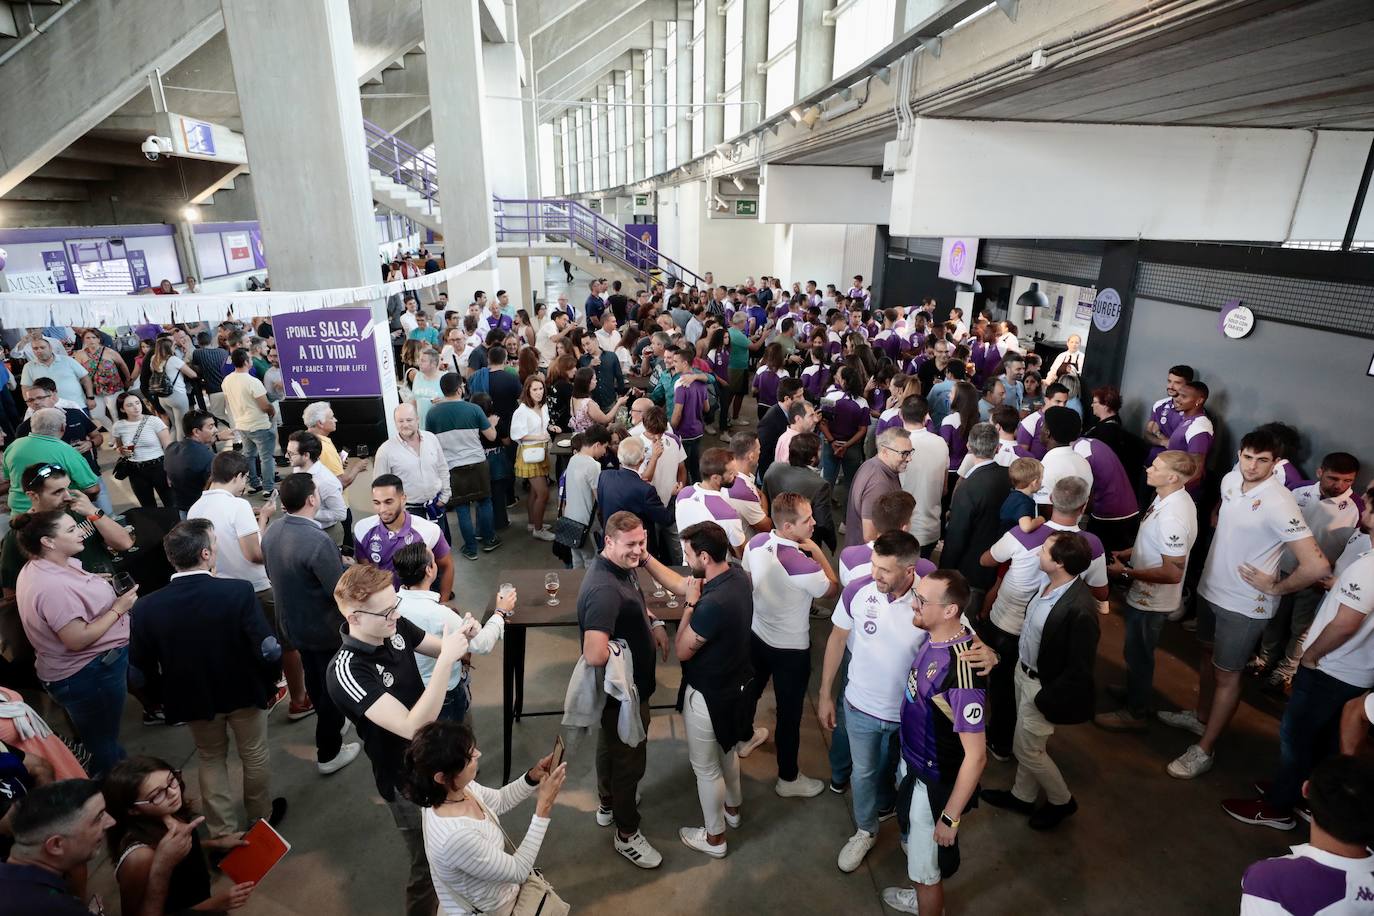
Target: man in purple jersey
378	537
1193	431
689	408
1163	417
942	743
1115	512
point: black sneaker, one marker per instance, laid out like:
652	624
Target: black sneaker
278	812
887	814
1002	798
489	546
469	552
154	717
1049	816
839	788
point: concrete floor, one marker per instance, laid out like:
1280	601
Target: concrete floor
1139	834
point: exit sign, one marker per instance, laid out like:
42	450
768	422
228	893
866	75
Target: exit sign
746	208
641	200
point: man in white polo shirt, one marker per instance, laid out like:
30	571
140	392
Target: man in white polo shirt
1002	630
789	572
1028	433
1337	666
1333	513
1155	567
873	619
1240	587
743	491
1059	431
707	502
926	475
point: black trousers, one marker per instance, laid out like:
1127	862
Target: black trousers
1001	686
148	479
619	767
329	721
790	670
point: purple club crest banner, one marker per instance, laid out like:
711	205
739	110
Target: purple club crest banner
641	243
328	353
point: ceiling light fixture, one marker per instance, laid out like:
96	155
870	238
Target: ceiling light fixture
1033	298
739	185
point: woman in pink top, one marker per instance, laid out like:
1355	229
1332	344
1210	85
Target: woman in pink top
79	630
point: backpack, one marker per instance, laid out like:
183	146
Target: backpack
159	385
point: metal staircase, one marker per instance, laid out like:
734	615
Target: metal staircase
404	179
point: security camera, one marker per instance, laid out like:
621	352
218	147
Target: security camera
155	146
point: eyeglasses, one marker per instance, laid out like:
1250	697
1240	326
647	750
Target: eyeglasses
395	609
902	453
49	470
161	795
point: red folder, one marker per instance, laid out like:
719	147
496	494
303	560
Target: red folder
265	849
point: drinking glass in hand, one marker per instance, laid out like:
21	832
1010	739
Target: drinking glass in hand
122	582
551	586
364	451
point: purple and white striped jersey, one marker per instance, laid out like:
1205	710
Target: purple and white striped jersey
698	504
857	561
844	415
786	581
1166	417
1309	882
955	438
1019	585
814	379
743	494
1028	434
766	385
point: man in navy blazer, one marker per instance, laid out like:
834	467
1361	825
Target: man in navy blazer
622	489
208	640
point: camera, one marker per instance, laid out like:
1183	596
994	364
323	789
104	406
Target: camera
156	146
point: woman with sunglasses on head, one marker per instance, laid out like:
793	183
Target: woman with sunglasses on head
146	797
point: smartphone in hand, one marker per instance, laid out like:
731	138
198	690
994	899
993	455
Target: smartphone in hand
559	751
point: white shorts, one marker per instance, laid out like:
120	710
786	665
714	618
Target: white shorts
922	852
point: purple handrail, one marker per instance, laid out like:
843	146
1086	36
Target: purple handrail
545	217
401	162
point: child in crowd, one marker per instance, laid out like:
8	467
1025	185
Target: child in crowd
1019	508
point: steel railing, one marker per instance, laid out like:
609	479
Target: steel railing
402	163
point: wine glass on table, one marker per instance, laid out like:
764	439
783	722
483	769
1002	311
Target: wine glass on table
551	587
659	590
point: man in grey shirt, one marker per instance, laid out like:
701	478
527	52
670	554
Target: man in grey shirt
877	477
801	474
303	566
579	488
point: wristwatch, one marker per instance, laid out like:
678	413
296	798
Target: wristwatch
948	821
96	516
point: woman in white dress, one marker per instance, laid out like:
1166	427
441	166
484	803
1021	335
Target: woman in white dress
469	864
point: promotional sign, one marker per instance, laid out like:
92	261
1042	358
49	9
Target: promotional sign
238	252
1086	296
957	259
328	352
259	255
138	270
1236	321
56	263
641	242
1106	309
38	281
198	137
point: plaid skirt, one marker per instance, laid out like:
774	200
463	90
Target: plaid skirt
526	470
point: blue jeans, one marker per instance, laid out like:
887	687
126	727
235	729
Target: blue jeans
1309	731
1142	636
485	527
830	465
873	784
456	702
94	700
258	448
841	764
102	499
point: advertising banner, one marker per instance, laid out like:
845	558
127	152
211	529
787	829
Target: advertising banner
957	260
328	353
138	270
56	263
642	237
238	252
259	255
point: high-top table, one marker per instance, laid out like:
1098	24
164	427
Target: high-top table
532	610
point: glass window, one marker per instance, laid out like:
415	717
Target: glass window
860	32
781	81
670	138
734	64
698	76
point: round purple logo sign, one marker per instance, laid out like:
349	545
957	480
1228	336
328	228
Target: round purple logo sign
958	254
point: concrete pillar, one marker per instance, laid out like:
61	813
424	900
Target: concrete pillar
754	86
604	135
815	46
584	136
684	81
296	58
713	86
187	257
621	113
507	150
457	90
659	143
637	116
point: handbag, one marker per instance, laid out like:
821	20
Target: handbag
569	532
532	452
125	465
536	897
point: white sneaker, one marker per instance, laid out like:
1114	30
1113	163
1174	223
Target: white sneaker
638	850
712	431
605	817
852	855
745	748
1186	720
1193	763
901	899
695	838
733	820
801	787
342	759
542	534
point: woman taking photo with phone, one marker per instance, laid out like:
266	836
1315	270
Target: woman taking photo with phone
79	630
472	870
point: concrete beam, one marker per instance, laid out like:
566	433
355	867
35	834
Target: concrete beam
383	30
583	32
75	170
48	189
491	18
575	80
64	83
815	194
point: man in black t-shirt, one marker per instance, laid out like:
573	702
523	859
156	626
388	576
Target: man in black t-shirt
187	461
717	709
611	606
374	680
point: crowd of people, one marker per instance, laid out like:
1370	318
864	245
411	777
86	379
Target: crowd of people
960	515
